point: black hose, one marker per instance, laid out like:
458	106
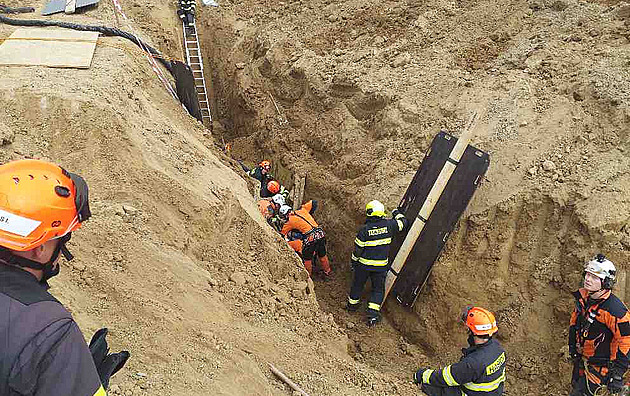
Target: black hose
15	10
106	31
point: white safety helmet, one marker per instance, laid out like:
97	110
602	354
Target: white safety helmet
278	199
375	209
604	269
284	210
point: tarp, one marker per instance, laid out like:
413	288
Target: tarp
185	86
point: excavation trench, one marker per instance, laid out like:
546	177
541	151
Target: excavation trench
519	247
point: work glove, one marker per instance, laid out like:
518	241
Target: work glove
396	212
417	376
107	364
615	384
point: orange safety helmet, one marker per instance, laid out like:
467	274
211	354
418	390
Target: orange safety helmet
273	187
39	201
481	322
265	164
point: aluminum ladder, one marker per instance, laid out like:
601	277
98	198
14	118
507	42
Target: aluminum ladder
195	61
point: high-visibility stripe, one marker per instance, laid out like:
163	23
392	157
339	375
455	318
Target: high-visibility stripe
426	376
100	392
353	301
486	386
378	242
374	306
354	258
448	377
401	225
374	263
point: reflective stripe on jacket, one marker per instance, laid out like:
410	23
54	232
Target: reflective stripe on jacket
480	371
371	245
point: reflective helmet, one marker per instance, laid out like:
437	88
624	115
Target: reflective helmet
604	269
39	201
278	199
273	187
481	322
375	209
284	210
265	164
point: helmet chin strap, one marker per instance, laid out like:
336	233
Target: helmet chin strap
48	269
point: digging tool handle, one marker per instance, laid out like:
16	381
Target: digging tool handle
286	380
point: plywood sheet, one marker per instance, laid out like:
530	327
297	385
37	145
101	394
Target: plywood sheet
49	47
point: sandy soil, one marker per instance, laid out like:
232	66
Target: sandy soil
179	264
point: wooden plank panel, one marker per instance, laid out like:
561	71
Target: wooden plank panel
49	47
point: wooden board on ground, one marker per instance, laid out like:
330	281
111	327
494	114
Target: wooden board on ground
49	47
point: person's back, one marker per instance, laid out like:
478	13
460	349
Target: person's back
301	219
42	351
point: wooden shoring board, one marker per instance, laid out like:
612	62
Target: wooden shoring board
427	207
49	47
298	189
444	217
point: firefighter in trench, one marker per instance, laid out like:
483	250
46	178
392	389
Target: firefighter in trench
370	259
599	332
313	236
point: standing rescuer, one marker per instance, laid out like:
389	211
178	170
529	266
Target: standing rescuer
480	371
42	350
370	258
599	332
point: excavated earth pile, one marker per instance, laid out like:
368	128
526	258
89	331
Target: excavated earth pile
181	267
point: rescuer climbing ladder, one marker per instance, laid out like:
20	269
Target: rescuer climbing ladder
195	61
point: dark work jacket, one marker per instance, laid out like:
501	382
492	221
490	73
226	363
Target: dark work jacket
371	246
42	350
257	174
480	371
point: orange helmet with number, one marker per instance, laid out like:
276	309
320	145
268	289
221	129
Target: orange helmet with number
39	201
273	187
265	164
481	322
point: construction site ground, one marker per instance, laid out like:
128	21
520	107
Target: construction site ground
180	266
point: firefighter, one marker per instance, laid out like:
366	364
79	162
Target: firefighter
274	187
270	209
313	239
599	332
481	369
42	350
262	174
370	258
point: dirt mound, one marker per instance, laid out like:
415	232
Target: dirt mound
179	264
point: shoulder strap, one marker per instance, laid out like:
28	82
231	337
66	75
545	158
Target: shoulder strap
308	222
